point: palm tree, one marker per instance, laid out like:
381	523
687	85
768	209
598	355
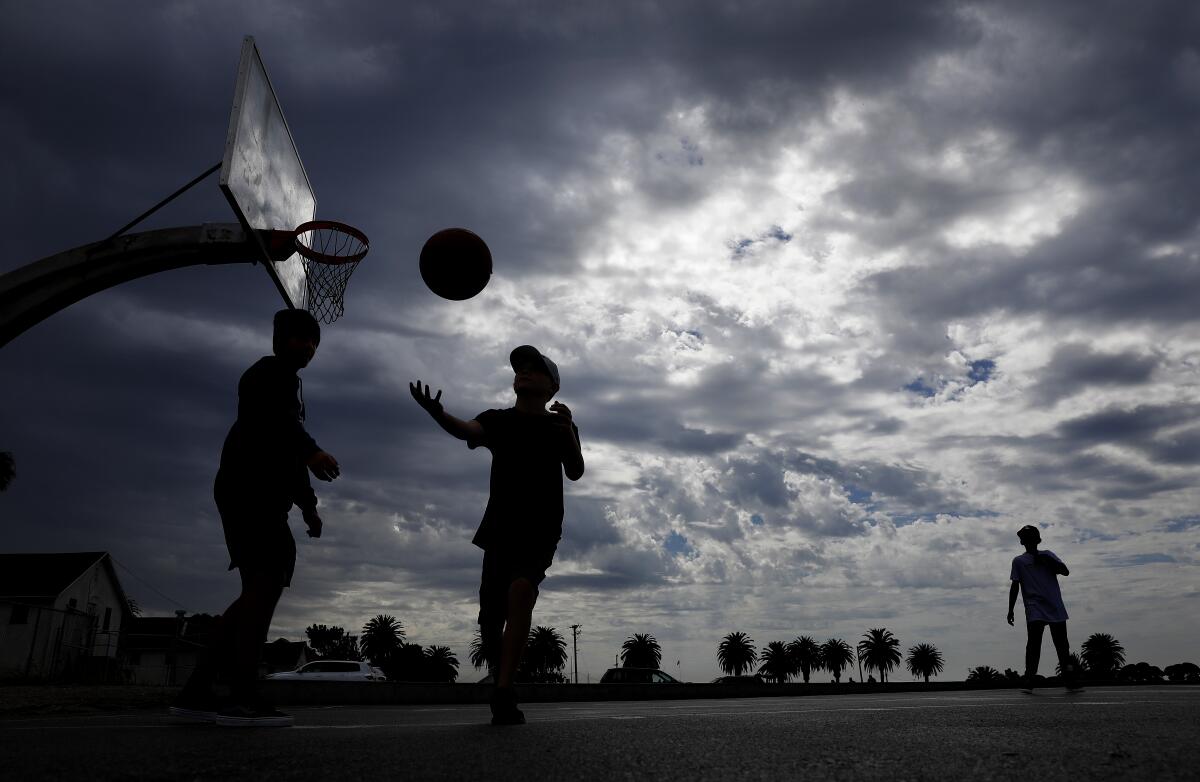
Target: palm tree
440	664
776	662
806	656
8	469
406	663
925	660
641	651
736	653
879	649
1103	655
545	654
381	635
476	654
836	655
984	673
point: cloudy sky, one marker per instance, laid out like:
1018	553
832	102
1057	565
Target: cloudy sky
843	294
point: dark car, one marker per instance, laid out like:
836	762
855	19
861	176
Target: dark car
637	676
755	679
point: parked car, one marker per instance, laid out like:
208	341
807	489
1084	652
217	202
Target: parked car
754	679
637	676
332	671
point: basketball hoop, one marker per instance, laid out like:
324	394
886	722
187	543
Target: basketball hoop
330	252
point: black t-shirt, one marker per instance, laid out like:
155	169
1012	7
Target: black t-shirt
525	509
267	447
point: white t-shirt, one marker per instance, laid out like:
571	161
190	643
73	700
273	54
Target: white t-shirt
1039	588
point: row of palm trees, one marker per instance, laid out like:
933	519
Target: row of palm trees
779	661
382	641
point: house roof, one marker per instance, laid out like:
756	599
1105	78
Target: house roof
44	576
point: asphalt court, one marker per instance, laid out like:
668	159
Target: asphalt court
1119	733
400	716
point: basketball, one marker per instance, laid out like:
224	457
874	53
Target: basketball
456	264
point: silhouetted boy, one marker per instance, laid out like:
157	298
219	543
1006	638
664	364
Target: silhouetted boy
1035	575
531	449
262	475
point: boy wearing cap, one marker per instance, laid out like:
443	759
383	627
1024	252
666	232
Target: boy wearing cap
264	472
1035	575
532	448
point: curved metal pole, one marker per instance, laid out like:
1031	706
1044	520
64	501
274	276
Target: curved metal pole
32	293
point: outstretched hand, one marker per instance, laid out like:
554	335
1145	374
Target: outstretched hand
324	466
430	404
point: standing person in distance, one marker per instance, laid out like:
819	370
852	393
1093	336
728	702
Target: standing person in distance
1035	575
264	472
532	448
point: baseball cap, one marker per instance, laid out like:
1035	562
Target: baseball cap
528	354
1029	532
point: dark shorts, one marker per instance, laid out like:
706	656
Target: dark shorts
501	567
258	537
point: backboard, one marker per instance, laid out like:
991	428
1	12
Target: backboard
261	172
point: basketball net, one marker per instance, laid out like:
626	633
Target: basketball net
330	252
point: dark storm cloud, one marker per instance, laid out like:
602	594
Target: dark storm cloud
1118	117
897	489
1076	366
1078	455
1162	433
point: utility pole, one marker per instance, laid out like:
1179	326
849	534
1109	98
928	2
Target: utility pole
575	645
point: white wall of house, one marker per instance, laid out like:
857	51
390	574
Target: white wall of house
44	643
44	640
160	667
97	595
18	623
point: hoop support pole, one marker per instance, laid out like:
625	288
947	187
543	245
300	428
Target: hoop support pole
32	293
166	201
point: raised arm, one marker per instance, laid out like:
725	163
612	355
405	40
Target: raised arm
572	453
463	430
1054	563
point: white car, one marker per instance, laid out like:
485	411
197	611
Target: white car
332	671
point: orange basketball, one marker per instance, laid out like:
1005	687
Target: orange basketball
456	264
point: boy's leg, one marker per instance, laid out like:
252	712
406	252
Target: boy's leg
260	594
521	598
1058	634
493	609
1033	648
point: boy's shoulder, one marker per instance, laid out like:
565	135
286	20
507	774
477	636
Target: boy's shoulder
265	365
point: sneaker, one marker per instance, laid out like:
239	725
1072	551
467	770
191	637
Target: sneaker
1027	685
197	708
504	707
259	716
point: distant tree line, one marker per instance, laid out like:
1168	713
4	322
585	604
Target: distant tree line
1101	658
382	642
781	661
